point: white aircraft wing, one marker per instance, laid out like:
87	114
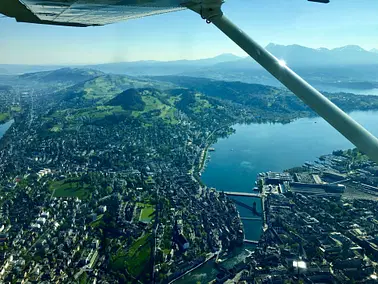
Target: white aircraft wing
85	12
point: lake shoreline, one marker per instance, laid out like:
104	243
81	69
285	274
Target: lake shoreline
262	149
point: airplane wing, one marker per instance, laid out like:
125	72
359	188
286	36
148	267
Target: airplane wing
85	12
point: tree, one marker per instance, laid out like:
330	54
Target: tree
108	190
121	278
295	246
83	278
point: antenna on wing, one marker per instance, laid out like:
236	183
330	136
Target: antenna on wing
354	132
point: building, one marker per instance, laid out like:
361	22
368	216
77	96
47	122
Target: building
3	238
102	209
182	242
277	178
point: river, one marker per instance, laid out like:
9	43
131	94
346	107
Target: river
256	148
4	127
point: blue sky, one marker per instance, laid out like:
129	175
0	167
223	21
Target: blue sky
184	35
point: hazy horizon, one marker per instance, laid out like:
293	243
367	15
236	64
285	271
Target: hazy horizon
184	35
242	56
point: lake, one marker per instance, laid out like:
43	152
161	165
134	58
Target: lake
256	148
335	89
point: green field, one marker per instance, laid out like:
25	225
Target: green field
201	104
157	105
98	221
97	112
167	114
16	108
153	103
4	116
70	188
106	87
146	213
73	115
138	255
102	88
136	259
56	128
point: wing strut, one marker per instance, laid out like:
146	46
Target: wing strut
354	132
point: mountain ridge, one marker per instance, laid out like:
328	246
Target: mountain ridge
301	56
319	66
294	55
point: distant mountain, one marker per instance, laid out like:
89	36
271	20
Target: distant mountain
145	67
150	67
49	81
66	75
297	55
375	50
17	69
321	66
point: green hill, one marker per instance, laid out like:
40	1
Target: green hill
130	99
266	100
108	98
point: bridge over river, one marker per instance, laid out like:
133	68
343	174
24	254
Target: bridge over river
246	194
237	202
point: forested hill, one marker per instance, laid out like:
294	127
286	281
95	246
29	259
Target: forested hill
261	97
81	90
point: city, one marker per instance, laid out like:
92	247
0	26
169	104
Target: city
107	188
321	222
85	198
188	147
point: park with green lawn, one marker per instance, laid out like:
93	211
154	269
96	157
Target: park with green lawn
136	260
70	188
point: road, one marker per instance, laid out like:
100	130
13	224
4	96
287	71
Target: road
156	227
